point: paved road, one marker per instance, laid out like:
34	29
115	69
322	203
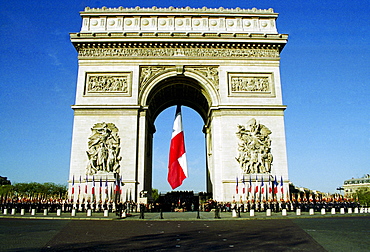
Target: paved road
279	234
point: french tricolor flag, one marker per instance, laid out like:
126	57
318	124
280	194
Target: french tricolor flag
177	165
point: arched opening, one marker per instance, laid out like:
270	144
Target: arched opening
195	150
163	96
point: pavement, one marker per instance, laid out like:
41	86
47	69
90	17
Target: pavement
185	231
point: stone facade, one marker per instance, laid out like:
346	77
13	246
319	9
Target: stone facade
136	62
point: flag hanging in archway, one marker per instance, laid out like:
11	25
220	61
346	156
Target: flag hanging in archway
177	165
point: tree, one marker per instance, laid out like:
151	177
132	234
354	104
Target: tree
155	194
363	195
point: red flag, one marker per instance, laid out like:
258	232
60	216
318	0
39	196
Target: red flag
86	184
177	165
93	187
73	185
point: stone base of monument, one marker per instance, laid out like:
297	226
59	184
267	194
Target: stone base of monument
106	213
349	210
13	211
45	212
233	213
5	211
33	211
283	212
323	212
251	213
312	212
298	212
356	209
73	213
89	212
333	210
268	212
59	212
22	211
342	210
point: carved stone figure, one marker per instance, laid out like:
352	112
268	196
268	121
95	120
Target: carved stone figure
103	152
255	148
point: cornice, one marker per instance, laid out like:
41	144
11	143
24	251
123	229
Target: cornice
173	10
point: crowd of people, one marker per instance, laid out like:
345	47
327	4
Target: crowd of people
174	202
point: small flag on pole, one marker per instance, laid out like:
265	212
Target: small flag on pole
243	185
86	181
256	190
237	186
73	185
79	187
101	185
276	184
282	186
93	187
177	165
262	187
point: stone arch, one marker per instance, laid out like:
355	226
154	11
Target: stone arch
199	93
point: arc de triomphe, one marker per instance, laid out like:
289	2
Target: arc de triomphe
135	62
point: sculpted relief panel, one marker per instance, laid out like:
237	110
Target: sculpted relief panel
108	84
103	149
254	148
208	72
251	84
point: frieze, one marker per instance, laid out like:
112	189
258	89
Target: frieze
108	83
179	52
251	84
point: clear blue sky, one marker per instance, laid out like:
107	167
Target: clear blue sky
324	72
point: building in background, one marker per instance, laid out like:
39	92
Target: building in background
353	185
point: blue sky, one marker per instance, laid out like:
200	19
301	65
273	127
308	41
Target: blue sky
324	73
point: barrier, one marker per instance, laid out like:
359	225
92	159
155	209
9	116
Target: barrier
13	211
33	211
349	210
22	211
312	212
106	213
283	212
45	212
251	213
73	213
89	212
298	212
323	212
333	210
342	210
233	213
268	212
59	212
5	211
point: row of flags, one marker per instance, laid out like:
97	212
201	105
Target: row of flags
100	188
257	187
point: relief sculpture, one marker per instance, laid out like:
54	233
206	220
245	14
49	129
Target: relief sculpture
104	149
107	83
250	84
255	148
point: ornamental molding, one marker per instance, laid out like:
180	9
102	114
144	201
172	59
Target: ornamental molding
251	84
179	19
108	84
175	50
149	73
172	9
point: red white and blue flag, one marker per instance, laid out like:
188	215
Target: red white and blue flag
276	184
262	187
281	186
256	190
73	185
177	164
243	185
237	186
93	187
79	187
